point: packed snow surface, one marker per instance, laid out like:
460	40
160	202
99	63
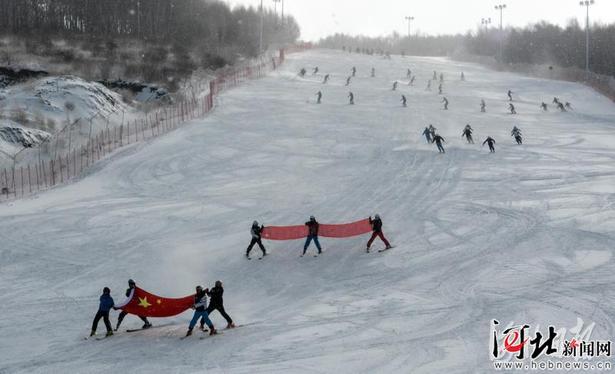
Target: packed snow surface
524	235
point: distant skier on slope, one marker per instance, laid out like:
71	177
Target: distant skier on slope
404	101
216	303
561	107
428	86
313	227
394	86
318	97
348	81
326	79
568	106
544	107
439	140
354	71
105	305
315	71
512	109
373	72
131	286
483	106
377	232
200	312
408	73
435	76
467	132
411	83
491	142
441	77
510	98
432	130
555	100
427	134
463	77
440	89
445	101
302	72
516	133
256	231
351	98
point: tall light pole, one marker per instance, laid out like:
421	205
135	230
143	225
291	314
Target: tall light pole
409	19
586	4
485	22
501	8
260	43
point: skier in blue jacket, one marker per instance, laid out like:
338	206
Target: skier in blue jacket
106	303
200	311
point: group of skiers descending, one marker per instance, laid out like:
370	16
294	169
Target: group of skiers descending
432	137
313	227
202	309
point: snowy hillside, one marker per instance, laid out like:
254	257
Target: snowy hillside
526	234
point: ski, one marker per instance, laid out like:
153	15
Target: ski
149	328
208	336
386	249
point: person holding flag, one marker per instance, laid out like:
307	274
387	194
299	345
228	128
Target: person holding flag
313	227
377	232
105	305
200	305
120	318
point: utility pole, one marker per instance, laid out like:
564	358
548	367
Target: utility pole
501	8
587	4
260	44
409	19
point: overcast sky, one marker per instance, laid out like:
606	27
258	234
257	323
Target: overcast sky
319	18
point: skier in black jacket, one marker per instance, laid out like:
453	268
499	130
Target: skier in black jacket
438	140
377	232
491	142
467	132
216	303
313	227
120	318
256	232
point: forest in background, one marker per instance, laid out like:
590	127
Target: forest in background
541	43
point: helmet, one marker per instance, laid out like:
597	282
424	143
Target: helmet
131	282
377	216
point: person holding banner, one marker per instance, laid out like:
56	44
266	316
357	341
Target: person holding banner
120	318
377	232
313	227
256	232
200	305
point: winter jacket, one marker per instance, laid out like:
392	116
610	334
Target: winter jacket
489	141
312	227
256	231
438	139
106	303
215	295
376	224
200	301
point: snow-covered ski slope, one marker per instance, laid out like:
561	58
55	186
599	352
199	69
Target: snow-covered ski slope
526	234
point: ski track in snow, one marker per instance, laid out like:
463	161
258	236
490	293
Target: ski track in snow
525	234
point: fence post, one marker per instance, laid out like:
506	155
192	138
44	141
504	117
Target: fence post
29	179
14	186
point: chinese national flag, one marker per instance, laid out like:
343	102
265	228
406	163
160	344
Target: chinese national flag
145	304
344	230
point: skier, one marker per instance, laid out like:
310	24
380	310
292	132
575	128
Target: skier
438	140
373	72
491	142
412	80
315	71
408	73
511	107
428	86
302	72
445	101
351	98
348	81
516	133
326	79
120	318
427	134
377	232
510	98
256	232
440	89
463	77
441	77
432	130
403	100
561	107
394	86
467	132
354	71
318	97
106	303
435	75
313	226
216	303
200	312
544	106
568	106
483	106
555	100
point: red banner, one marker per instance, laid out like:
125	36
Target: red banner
345	230
143	303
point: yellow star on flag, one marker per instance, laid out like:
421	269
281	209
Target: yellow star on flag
143	302
158	301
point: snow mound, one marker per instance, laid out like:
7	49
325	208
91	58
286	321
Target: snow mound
13	137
